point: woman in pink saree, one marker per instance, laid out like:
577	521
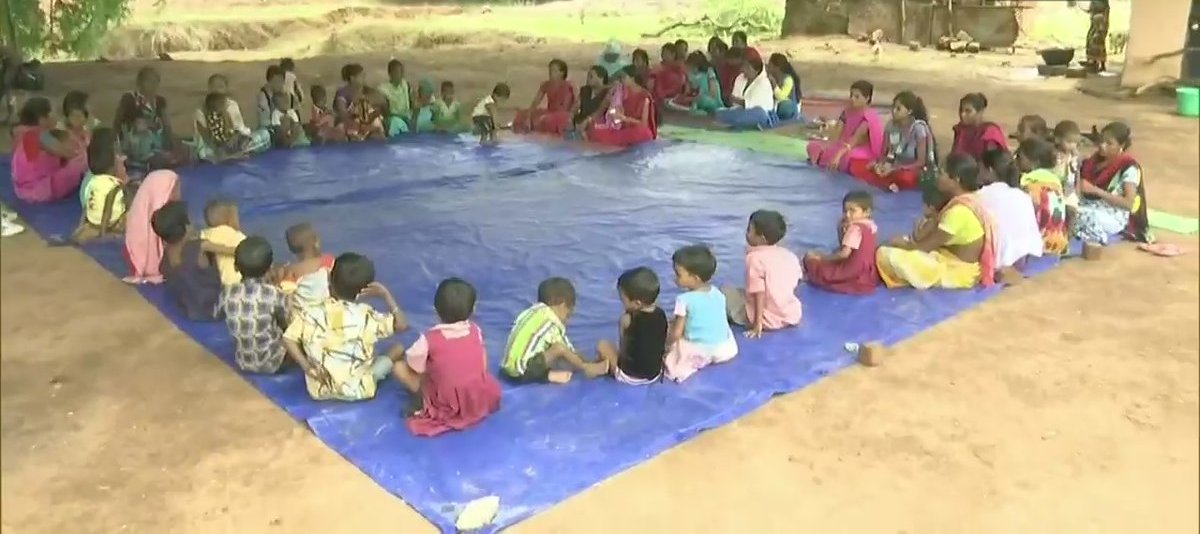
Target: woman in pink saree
143	248
974	135
857	136
45	167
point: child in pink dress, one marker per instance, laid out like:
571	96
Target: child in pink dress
447	367
769	301
851	268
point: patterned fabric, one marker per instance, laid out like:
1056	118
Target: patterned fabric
340	337
534	331
1050	206
254	313
219	127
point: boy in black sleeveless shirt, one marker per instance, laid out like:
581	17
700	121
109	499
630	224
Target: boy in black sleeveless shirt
638	359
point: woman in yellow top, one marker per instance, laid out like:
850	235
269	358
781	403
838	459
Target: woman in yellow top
104	192
787	87
954	249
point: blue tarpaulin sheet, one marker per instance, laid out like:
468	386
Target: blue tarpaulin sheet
505	218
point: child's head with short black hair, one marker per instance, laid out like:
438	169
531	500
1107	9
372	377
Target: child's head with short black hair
668	53
1066	137
640	59
170	223
501	92
302	240
287	64
102	151
218	83
317	94
638	287
352	74
934	200
559	294
395	70
1031	126
739	40
447	91
454	300
1034	153
253	257
275	77
351	274
766	227
681	48
221	212
75	109
959	175
857	205
694	266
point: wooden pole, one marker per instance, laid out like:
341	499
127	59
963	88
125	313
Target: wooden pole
950	17
903	20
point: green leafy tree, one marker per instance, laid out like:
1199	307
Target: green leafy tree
61	27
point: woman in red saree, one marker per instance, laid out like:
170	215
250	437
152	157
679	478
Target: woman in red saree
974	135
555	118
670	76
630	119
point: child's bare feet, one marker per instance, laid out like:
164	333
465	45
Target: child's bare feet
1009	276
559	377
595	369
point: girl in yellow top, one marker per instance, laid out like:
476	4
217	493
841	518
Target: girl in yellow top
104	193
787	87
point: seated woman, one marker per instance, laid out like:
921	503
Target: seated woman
611	59
143	249
630	119
45	166
954	251
787	87
753	101
559	94
146	104
1038	159
974	135
1017	234
591	99
1112	191
911	152
728	66
858	134
353	106
702	96
669	78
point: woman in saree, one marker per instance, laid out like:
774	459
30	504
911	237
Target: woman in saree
670	77
1038	160
611	59
910	156
858	134
143	249
145	103
592	97
1097	36
1112	191
630	119
46	167
753	101
728	66
559	94
974	135
355	108
953	250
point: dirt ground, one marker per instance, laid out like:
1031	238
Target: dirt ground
1069	404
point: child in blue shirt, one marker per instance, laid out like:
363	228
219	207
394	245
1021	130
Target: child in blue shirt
700	334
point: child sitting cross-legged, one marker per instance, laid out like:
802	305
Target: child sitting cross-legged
255	310
769	301
700	334
851	268
638	358
335	341
105	191
225	230
447	366
538	340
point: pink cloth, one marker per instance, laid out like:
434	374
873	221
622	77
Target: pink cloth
457	391
853	237
39	176
822	152
776	271
142	246
685	357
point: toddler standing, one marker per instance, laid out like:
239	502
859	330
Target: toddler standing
637	359
851	268
447	366
768	301
700	334
484	115
224	230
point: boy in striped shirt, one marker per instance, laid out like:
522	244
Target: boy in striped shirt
539	339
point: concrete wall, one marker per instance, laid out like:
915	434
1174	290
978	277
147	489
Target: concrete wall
1155	27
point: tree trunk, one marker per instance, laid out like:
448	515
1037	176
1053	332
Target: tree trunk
814	17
